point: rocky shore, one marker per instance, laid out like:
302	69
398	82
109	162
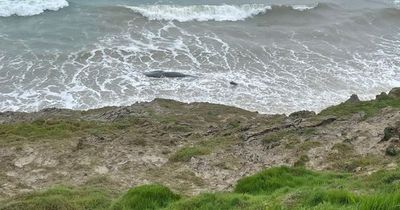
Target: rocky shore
191	148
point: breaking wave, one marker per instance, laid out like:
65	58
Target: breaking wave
206	12
29	7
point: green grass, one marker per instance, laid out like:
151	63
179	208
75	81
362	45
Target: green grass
274	137
301	162
270	180
218	201
61	198
146	197
57	129
381	202
335	196
280	188
203	147
370	108
186	153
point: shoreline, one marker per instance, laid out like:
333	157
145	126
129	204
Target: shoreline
191	148
371	97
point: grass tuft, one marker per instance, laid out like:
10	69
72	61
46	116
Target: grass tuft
61	198
146	197
217	201
186	153
270	180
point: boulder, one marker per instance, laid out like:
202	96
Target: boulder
353	99
382	96
395	93
165	74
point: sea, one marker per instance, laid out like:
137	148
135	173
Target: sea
284	55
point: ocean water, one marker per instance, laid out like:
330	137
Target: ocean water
285	55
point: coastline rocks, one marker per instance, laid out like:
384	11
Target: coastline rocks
382	96
395	93
164	74
353	99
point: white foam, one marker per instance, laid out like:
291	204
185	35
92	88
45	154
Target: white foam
303	7
29	7
279	77
200	12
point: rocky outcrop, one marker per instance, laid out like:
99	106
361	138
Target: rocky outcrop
394	93
127	146
353	99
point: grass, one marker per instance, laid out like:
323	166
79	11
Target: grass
270	180
218	201
335	196
274	137
370	108
146	197
204	147
388	132
381	202
57	129
61	198
347	161
280	188
186	153
301	162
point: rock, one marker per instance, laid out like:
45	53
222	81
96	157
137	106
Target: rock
101	170
395	93
302	114
164	74
392	150
21	162
391	166
353	99
382	96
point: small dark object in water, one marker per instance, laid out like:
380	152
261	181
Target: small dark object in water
162	74
233	83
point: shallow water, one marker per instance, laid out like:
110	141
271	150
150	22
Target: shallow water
285	55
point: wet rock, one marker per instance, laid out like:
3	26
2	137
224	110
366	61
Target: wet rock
164	74
353	99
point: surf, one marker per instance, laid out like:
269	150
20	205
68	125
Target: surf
29	7
206	12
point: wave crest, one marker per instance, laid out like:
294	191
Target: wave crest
29	7
206	12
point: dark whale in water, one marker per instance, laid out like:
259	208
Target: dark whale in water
165	74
